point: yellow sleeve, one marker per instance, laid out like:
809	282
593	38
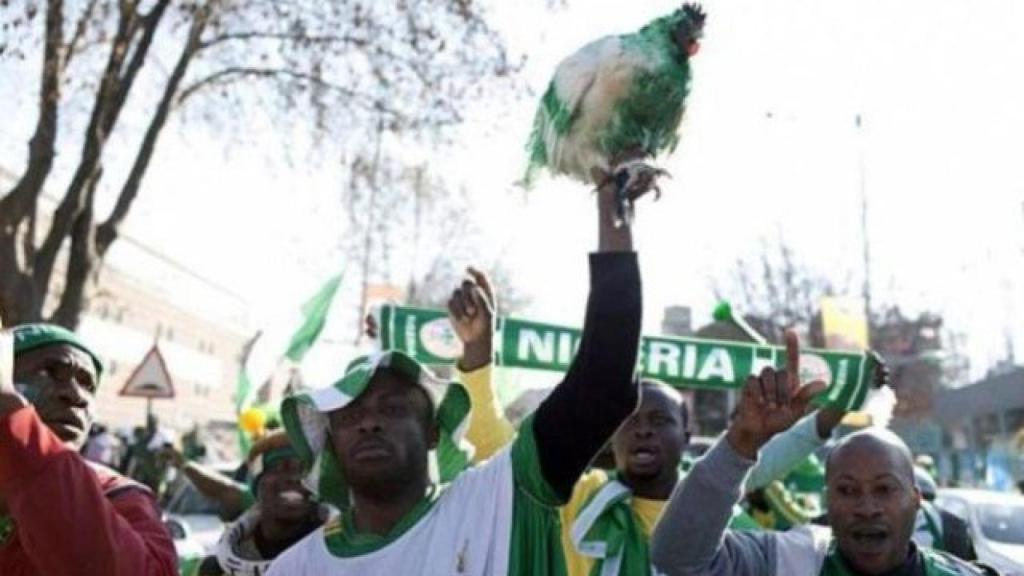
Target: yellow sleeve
489	430
577	564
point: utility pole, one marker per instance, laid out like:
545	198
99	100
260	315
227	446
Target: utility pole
862	173
1011	359
371	181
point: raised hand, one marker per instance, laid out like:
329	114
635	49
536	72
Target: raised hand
771	402
471	310
883	375
370	327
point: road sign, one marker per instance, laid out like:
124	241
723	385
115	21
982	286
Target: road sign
150	379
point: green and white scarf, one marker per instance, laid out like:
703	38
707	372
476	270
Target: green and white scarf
427	336
305	418
607	530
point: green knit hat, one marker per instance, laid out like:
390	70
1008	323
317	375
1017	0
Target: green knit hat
32	336
306	421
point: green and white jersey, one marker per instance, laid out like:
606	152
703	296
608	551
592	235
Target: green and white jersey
494	519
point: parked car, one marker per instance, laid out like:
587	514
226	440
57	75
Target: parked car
995	521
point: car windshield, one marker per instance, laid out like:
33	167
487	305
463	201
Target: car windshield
1003	523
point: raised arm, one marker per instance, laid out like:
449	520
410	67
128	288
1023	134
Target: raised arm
783	452
471	311
218	487
599	390
771	402
67	522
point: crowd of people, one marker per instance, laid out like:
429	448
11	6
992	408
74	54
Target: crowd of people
392	470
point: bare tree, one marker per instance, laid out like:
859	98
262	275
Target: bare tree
777	291
775	288
346	66
410	228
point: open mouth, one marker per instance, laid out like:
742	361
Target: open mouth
643	455
870	538
66	424
293	497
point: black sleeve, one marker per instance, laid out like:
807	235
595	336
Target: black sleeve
599	390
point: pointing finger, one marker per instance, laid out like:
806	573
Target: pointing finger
484	283
793	360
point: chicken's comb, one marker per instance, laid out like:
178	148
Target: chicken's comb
695	14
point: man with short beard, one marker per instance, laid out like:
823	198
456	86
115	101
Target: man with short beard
60	514
872	501
384	444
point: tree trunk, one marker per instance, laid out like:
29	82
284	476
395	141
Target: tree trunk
110	98
89	244
81	262
15	205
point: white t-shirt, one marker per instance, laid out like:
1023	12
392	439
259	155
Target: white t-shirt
466	531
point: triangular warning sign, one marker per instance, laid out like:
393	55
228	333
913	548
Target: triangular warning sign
150	379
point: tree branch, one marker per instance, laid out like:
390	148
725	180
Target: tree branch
80	27
108	231
328	39
81	260
110	99
233	73
127	78
23	196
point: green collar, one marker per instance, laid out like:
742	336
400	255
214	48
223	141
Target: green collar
345	541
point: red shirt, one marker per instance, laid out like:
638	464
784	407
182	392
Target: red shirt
73	518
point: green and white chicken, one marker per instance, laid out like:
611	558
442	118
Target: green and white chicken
617	103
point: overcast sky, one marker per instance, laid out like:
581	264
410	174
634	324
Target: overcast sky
769	148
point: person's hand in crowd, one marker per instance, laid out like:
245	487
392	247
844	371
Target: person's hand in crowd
370	327
172	456
613	235
771	402
883	375
471	310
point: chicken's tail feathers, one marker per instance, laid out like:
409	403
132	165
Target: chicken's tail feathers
550	124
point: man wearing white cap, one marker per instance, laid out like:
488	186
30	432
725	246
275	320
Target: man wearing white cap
384	444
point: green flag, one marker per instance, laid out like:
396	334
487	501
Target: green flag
314	316
243	388
315	312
